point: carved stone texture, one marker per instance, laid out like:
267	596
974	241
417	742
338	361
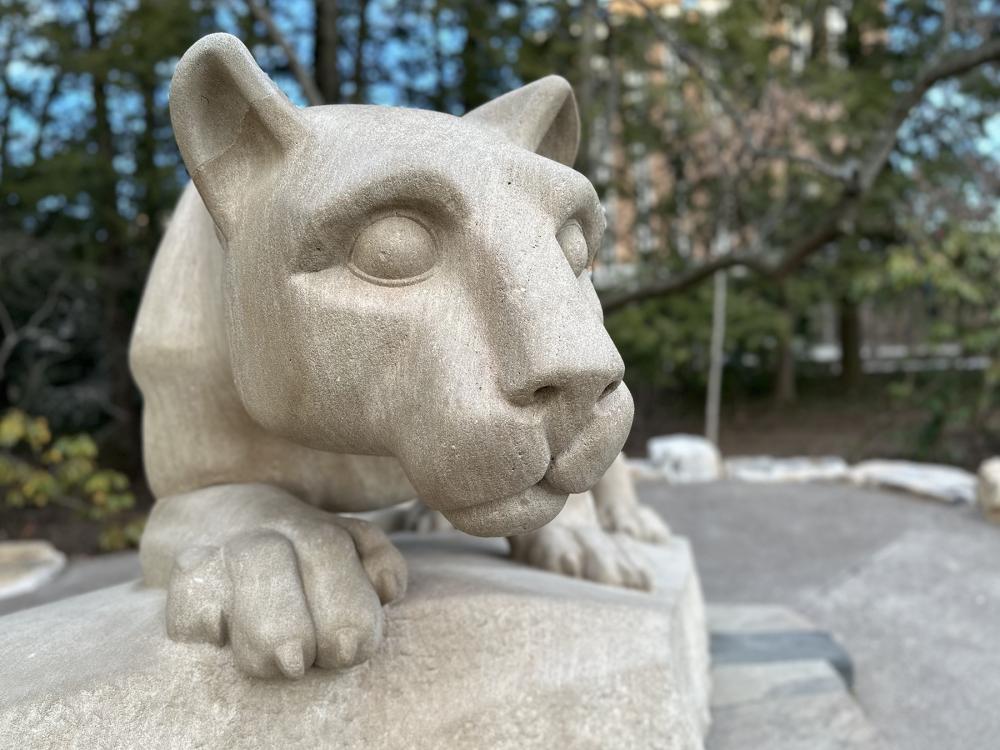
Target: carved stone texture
354	306
27	565
988	489
482	653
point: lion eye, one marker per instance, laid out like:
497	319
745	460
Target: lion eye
393	250
574	246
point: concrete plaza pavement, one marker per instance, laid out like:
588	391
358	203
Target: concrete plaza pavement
910	587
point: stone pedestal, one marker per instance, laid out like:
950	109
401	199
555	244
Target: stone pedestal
481	653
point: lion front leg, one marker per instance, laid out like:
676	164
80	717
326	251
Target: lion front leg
284	584
574	544
619	510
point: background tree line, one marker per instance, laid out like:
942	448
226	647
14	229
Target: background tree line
837	155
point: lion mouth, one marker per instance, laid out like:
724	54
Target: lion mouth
519	513
575	468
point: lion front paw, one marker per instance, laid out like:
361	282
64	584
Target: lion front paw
637	521
285	598
584	552
423	520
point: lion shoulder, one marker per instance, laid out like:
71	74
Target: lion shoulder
196	432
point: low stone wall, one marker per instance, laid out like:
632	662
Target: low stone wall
481	653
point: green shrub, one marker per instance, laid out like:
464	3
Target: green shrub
37	471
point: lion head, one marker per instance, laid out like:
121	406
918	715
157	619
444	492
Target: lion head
412	284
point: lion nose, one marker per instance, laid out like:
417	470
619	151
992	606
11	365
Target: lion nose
580	385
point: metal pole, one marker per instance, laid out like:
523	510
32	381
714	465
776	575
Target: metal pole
713	398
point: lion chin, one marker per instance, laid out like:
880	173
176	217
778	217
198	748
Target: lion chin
525	511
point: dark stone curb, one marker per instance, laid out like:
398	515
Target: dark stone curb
777	646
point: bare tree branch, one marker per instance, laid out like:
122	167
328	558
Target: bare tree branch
846	172
838	219
703	69
948	21
305	81
13	336
940	68
683	280
693	59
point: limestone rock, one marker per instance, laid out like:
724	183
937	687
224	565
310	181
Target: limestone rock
988	490
354	306
481	653
936	481
682	459
27	565
340	280
643	470
794	469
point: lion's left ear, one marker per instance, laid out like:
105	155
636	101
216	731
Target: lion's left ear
541	117
232	123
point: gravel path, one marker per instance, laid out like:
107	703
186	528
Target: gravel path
910	587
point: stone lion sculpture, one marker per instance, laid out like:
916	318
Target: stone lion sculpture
354	306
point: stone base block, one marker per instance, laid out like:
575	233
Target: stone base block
780	683
481	653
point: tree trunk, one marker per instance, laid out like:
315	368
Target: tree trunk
818	48
44	115
147	162
439	97
359	53
851	372
119	273
306	81
474	53
8	106
326	45
585	87
713	399
107	199
785	387
785	391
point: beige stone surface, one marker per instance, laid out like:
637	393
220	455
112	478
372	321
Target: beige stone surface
684	459
949	484
619	509
794	705
363	304
482	653
755	619
354	306
988	488
592	537
772	469
26	565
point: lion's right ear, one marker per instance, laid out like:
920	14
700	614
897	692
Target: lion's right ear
231	122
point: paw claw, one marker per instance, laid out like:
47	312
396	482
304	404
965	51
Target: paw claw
390	586
291	660
347	647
